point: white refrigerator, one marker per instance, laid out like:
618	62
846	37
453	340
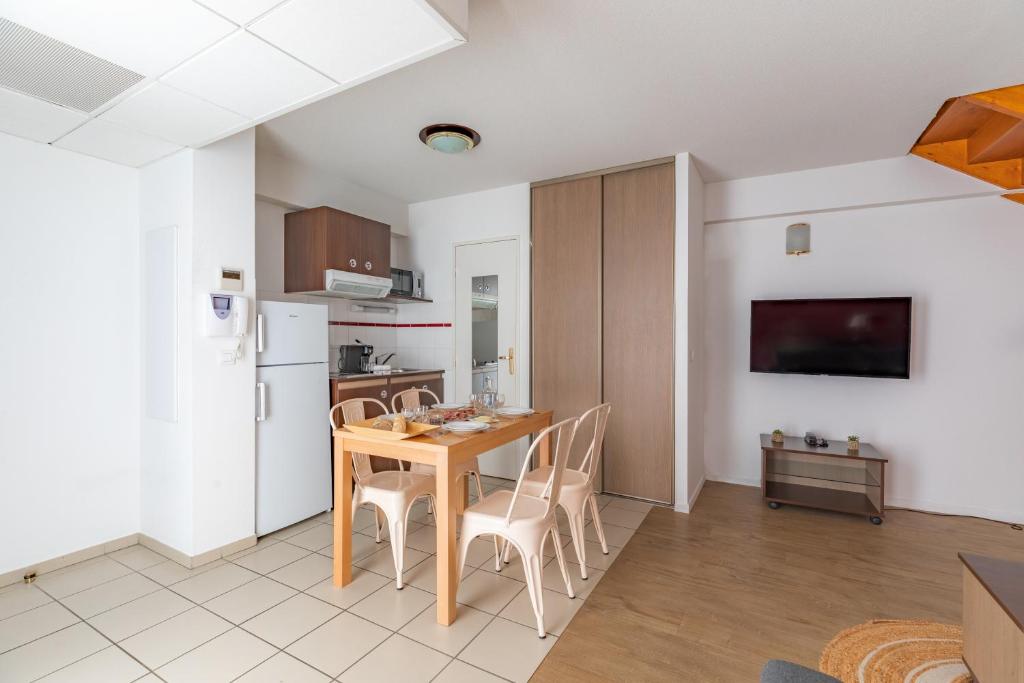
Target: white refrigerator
293	447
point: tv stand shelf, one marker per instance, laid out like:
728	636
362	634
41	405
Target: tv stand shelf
829	478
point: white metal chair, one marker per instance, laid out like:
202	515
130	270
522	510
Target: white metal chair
526	521
392	491
410	398
578	487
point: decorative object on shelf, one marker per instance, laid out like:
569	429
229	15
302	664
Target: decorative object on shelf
853	443
798	239
777	436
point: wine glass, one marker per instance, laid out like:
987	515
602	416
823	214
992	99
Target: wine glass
499	401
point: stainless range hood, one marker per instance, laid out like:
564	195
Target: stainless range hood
346	285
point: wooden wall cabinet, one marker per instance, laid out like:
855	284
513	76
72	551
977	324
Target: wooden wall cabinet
323	238
602	317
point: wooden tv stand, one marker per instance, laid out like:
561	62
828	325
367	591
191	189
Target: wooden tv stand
829	478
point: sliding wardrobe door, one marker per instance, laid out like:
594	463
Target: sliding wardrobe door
639	227
566	298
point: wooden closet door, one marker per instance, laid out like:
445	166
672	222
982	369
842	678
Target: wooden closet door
639	229
566	300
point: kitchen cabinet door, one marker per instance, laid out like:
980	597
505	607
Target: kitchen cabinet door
639	237
434	383
376	248
324	238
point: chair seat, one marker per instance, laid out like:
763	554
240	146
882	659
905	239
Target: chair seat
394	481
536	480
494	507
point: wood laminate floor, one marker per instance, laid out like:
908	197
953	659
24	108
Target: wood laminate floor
712	595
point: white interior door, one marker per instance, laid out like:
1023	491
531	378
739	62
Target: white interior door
486	331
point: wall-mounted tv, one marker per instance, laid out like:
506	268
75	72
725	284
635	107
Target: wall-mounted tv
852	337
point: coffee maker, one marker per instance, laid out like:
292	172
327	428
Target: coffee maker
355	359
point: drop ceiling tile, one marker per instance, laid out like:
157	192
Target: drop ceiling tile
241	11
115	143
244	74
172	115
34	119
147	36
350	40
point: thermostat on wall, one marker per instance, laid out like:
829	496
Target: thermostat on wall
231	280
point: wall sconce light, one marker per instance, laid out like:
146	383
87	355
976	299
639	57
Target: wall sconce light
798	239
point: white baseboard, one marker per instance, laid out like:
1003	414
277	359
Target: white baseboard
61	561
947	509
741	481
191	561
688	505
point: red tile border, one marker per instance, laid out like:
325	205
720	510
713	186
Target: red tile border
352	323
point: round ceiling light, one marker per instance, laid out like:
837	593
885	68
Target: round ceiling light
450	138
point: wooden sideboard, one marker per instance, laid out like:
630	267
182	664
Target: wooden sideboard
993	618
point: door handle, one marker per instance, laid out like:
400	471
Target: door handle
261	387
511	358
259	333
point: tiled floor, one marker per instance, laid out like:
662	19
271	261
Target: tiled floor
271	613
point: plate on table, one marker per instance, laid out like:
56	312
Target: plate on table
449	406
513	411
464	427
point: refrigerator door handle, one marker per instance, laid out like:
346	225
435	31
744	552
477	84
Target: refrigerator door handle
261	387
259	333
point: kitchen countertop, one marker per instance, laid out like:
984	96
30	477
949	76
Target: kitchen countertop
394	373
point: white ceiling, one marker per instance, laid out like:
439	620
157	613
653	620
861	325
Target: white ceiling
209	69
751	88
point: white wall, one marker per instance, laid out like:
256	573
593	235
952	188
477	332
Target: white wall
69	352
949	430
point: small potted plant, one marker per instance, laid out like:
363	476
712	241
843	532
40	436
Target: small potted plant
853	443
777	436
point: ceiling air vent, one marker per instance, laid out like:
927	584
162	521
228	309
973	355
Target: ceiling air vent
40	66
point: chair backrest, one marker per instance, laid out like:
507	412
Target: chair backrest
561	435
354	410
410	398
592	460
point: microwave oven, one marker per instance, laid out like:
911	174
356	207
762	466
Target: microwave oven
407	283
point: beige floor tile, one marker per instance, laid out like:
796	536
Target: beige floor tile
137	557
552	579
596	559
603	499
615	535
20	597
298	528
630	504
618	516
248	600
261	543
149	678
301	574
488	592
382	562
397	659
423	539
364	519
559	609
169	572
222	659
283	668
363	583
481	552
448	639
109	595
385	533
509	650
513	570
339	643
392	608
460	672
209	585
35	623
172	638
424	575
46	655
81	576
362	546
138	615
272	557
295	617
111	665
314	538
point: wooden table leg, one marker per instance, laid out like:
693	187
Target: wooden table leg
544	450
447	551
462	494
342	513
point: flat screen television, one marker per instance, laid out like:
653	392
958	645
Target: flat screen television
851	337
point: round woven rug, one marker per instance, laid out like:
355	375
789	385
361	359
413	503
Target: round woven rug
897	651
